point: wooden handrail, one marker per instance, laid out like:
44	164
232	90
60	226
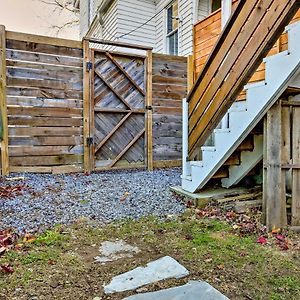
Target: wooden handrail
248	36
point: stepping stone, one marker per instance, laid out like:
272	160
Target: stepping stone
193	290
111	251
163	268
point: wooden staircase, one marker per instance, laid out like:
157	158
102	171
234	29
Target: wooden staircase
249	34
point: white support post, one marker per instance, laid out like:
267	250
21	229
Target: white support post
226	13
185	139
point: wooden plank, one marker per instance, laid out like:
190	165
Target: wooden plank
47	83
273	185
44	58
123	120
115	62
127	148
285	157
149	116
44	48
44	93
296	172
86	107
44	111
112	89
3	106
161	164
45	141
43	102
44	150
44	131
119	44
190	73
45	121
31	38
47	160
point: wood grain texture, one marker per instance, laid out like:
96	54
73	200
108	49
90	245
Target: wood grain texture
44	103
169	88
3	105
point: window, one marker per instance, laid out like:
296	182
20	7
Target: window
215	5
172	28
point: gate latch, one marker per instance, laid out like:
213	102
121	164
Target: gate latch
89	66
148	107
89	141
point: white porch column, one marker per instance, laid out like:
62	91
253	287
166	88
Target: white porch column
185	138
226	13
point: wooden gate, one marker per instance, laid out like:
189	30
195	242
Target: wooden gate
118	97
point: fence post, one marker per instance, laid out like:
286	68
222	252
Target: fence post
185	138
3	106
149	112
190	72
86	108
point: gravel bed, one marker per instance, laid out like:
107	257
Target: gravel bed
104	197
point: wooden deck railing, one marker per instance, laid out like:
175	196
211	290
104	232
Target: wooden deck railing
231	59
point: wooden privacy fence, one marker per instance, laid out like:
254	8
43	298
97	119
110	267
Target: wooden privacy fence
282	165
67	107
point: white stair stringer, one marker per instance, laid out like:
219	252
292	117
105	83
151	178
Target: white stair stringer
280	70
249	159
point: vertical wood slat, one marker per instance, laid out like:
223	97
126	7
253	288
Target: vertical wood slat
149	118
86	107
3	106
273	183
285	145
190	73
296	172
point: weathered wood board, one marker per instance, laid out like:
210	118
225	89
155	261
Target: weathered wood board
169	88
44	105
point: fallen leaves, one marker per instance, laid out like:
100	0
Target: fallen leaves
248	225
7	269
11	191
7	240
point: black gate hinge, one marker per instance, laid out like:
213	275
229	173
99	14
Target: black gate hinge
89	66
148	107
89	141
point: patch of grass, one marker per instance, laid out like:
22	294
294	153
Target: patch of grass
210	249
51	238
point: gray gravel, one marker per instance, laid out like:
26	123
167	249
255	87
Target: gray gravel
102	197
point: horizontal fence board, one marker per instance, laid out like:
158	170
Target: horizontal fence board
44	121
40	83
44	58
31	73
46	141
44	102
44	131
44	93
44	150
43	48
46	160
44	111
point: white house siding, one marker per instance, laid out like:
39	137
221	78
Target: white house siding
110	30
204	9
131	15
186	28
84	17
124	16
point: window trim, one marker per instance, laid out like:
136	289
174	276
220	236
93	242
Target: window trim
166	34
